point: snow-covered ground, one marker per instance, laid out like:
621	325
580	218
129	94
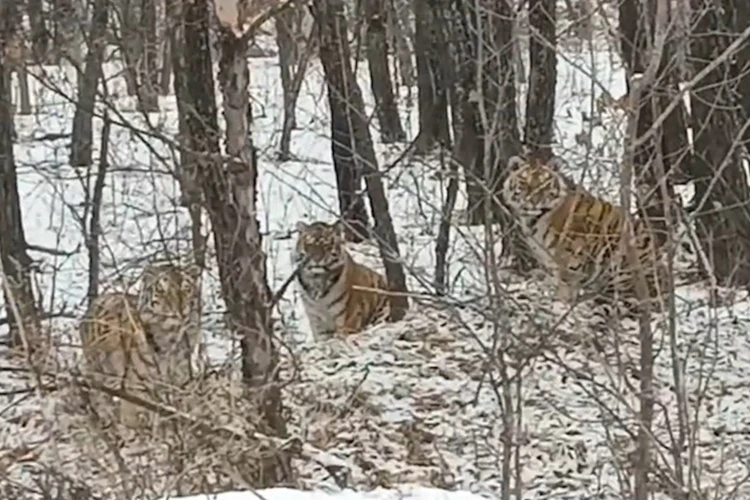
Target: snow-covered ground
417	402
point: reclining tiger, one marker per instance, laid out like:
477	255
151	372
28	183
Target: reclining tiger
580	238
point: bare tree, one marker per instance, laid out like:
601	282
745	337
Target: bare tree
351	136
400	30
380	78
191	196
540	99
148	60
347	160
230	196
293	65
39	33
430	46
23	316
82	140
720	180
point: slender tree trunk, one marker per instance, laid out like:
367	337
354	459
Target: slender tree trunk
130	40
540	99
348	159
380	77
351	133
39	33
403	36
432	95
289	56
148	61
23	316
230	193
81	145
720	180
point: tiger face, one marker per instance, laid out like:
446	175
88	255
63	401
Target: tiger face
321	253
169	290
533	187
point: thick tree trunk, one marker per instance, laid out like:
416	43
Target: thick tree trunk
432	87
724	231
540	99
351	133
380	77
191	196
289	56
230	196
402	34
81	144
23	317
348	156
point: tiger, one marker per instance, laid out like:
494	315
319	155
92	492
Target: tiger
579	237
134	340
117	349
169	303
339	295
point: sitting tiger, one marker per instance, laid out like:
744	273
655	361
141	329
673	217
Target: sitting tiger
131	341
578	236
339	295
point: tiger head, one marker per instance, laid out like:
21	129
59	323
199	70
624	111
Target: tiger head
320	247
533	186
170	290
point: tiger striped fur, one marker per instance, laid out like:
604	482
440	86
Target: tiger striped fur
580	237
132	341
339	294
116	348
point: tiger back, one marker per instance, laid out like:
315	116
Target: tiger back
340	295
116	348
170	308
581	238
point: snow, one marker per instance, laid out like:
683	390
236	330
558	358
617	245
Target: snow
418	402
376	494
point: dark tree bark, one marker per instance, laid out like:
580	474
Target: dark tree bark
636	33
432	87
540	99
380	78
403	39
39	33
65	26
742	64
130	39
348	158
81	144
148	60
191	196
230	195
351	133
721	191
21	309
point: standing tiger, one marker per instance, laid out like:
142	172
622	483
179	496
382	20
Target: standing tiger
339	295
132	341
578	236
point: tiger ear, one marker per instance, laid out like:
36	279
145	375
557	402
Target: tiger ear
555	163
300	226
339	227
514	162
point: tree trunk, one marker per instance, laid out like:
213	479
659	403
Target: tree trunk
230	193
742	69
351	136
432	88
347	156
380	77
724	232
39	34
65	22
23	317
148	61
289	56
540	98
403	39
191	196
130	40
81	144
